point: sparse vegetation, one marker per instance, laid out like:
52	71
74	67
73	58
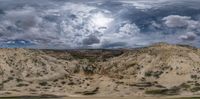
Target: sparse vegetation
185	86
194	77
160	92
171	91
157	91
195	89
155	74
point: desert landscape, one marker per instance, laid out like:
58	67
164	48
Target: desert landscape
160	70
100	49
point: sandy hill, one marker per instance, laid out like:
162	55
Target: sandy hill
160	69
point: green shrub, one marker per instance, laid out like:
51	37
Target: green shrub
172	91
156	91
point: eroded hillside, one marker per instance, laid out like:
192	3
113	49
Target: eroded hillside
161	69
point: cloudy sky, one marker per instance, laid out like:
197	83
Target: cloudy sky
72	24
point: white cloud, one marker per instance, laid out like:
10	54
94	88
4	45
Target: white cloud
190	36
174	21
124	37
177	21
129	29
86	21
185	25
99	20
192	24
74	24
144	4
67	25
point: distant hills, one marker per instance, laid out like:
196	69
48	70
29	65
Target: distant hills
160	69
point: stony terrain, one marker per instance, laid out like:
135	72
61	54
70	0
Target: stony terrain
160	69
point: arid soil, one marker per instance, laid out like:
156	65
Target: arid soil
157	70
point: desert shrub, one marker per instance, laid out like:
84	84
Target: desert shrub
89	69
63	82
156	91
11	71
153	74
77	69
32	90
37	87
185	86
148	74
19	80
171	91
43	83
71	83
195	89
157	74
195	77
10	78
159	86
5	81
21	85
197	84
55	80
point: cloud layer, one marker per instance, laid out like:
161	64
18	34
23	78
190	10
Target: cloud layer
68	24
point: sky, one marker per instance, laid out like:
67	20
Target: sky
80	24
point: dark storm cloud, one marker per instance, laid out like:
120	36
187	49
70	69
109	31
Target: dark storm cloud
24	19
1	12
114	45
91	39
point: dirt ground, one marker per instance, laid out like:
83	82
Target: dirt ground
135	98
131	97
96	98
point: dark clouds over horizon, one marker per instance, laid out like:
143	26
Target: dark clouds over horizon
66	24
